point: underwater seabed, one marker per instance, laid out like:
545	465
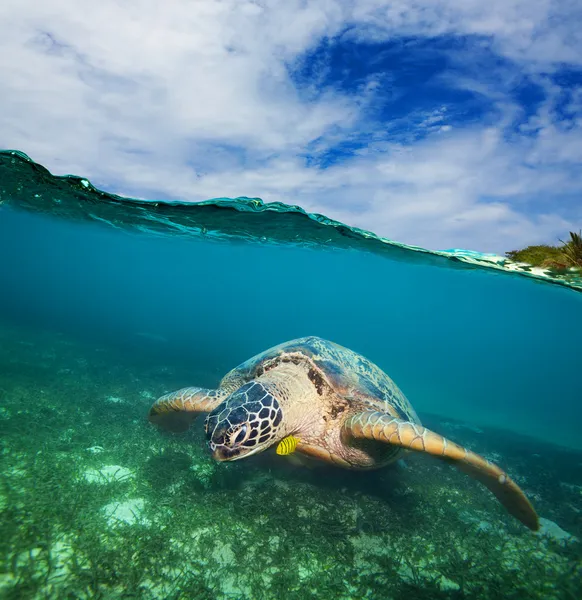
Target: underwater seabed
96	503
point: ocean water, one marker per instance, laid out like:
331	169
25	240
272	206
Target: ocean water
106	304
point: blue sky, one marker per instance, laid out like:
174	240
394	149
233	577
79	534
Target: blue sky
440	123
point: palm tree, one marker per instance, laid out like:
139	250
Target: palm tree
572	249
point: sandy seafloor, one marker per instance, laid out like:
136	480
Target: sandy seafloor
96	503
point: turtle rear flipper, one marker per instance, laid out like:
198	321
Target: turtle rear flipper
176	411
382	427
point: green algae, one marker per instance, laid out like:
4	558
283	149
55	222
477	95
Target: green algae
258	529
29	186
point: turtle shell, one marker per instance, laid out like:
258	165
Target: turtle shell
349	373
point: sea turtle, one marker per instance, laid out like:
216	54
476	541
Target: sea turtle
326	402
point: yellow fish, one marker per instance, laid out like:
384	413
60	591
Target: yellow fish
287	445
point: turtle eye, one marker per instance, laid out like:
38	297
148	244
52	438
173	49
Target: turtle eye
238	435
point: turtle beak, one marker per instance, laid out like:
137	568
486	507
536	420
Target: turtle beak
222	454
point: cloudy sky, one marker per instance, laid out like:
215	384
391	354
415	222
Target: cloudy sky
440	123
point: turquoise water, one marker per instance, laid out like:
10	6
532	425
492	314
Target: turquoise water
104	307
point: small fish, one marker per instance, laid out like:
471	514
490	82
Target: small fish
287	445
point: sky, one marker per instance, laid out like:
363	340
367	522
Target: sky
438	123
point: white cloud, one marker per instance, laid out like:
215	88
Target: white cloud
193	99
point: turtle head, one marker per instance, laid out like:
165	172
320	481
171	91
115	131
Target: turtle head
246	423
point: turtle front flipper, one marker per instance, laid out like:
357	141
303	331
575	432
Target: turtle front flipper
382	427
176	411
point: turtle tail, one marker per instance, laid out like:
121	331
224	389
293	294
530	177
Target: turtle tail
177	410
382	427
